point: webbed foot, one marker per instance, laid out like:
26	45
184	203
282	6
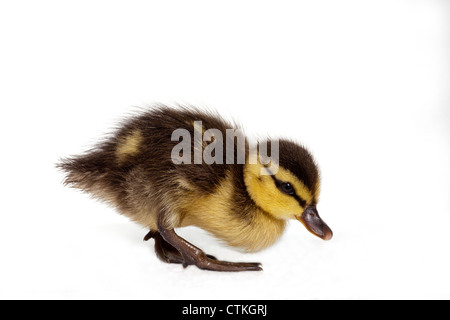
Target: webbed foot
188	254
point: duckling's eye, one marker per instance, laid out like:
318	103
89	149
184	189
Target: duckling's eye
287	188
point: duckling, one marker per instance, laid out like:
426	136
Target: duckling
245	204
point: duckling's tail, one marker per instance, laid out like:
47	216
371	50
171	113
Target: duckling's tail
90	172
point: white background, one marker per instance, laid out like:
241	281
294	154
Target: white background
364	84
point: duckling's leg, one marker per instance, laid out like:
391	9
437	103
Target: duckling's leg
192	255
166	252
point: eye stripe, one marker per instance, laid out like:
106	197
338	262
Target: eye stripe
301	201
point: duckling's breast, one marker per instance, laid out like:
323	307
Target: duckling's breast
239	224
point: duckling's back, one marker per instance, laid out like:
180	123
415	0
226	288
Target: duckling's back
133	169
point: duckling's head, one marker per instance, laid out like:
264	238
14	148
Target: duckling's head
290	193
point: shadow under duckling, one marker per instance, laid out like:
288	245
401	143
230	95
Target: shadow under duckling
143	172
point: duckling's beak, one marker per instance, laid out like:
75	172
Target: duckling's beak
312	221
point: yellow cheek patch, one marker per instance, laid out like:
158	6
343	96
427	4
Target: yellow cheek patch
264	192
317	191
129	145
